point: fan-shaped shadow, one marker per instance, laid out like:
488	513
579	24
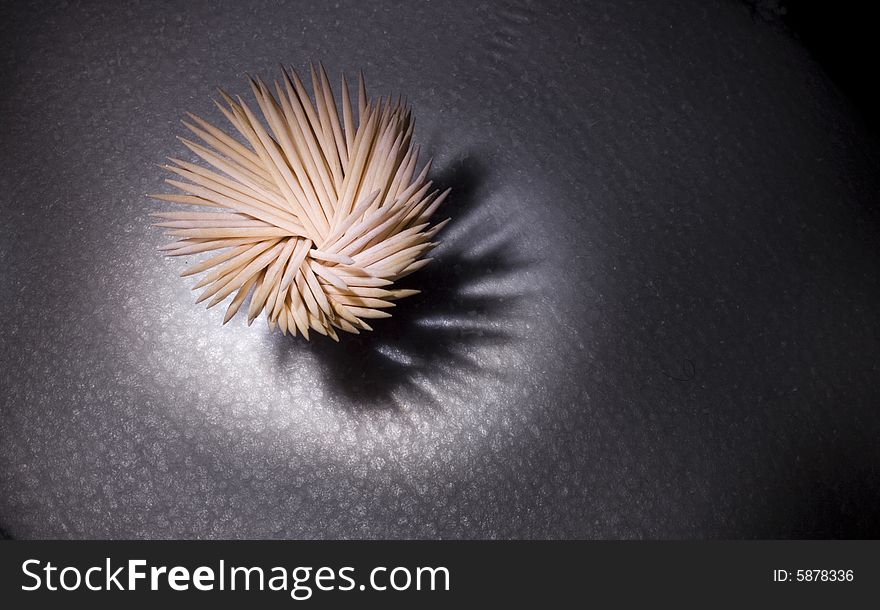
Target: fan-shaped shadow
429	334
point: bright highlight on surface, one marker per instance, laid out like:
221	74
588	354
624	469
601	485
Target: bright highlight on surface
314	217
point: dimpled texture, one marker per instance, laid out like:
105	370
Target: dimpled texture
653	315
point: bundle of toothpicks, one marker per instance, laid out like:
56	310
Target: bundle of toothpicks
312	215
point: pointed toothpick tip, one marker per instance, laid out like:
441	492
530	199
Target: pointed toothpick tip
389	121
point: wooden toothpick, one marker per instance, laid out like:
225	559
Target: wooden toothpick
314	212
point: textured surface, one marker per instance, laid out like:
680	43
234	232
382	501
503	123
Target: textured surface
654	315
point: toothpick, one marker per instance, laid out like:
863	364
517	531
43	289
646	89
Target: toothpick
311	213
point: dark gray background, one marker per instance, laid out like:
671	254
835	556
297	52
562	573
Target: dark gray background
654	315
